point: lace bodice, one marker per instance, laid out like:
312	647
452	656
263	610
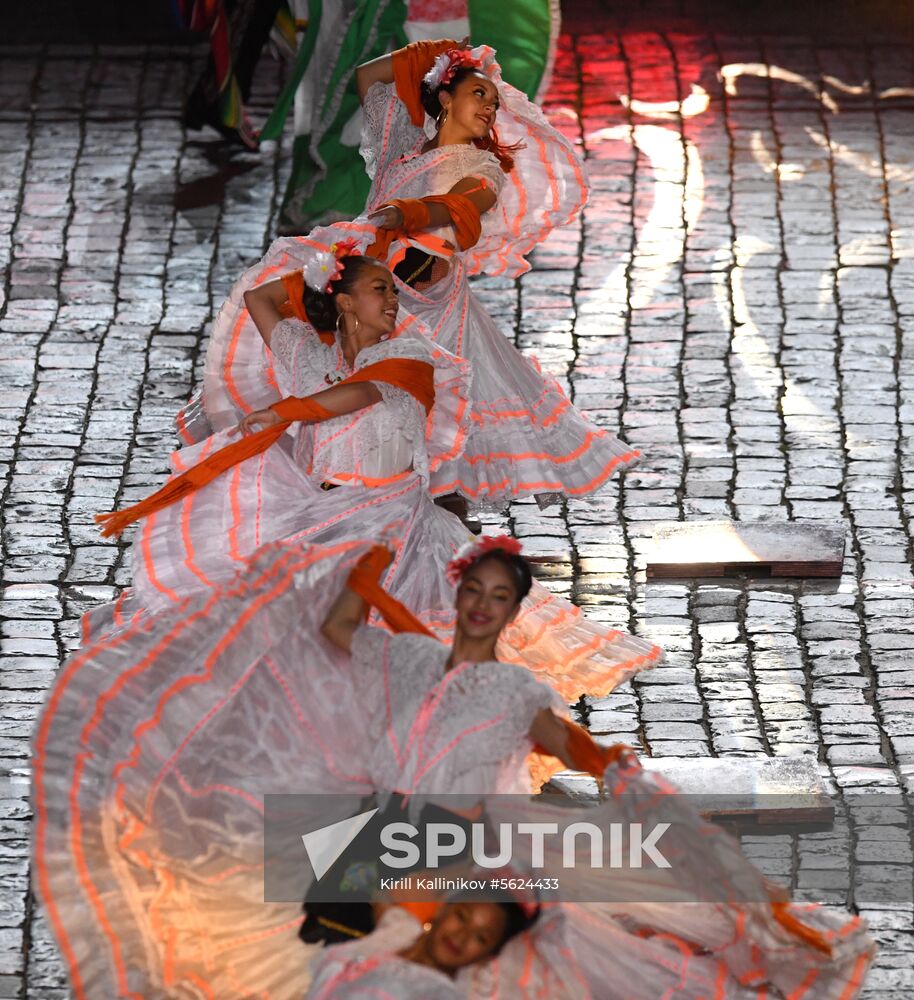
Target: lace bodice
464	730
375	443
546	188
392	149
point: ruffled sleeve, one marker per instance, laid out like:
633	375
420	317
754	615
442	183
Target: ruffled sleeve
387	132
487	168
303	358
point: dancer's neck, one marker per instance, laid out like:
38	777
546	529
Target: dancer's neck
451	136
419	954
353	343
467	650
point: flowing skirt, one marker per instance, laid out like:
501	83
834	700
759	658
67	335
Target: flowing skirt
525	436
150	763
202	542
705	927
159	742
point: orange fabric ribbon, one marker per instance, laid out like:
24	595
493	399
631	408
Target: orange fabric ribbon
791	923
294	284
465	218
585	753
364	580
410	64
415	377
464	214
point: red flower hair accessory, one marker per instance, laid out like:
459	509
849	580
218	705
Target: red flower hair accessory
488	543
341	250
446	65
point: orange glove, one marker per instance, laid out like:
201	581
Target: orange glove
584	753
410	64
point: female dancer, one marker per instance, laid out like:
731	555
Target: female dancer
404	959
447	202
159	742
149	849
355	466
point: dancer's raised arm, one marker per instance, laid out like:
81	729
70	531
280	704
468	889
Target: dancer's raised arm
346	614
263	304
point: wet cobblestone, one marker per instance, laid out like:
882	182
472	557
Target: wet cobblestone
738	300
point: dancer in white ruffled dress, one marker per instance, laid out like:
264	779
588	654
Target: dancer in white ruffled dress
473	204
158	743
356	467
157	746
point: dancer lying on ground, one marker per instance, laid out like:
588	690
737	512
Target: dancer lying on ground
404	959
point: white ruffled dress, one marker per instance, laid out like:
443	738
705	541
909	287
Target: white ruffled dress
379	460
159	742
524	437
157	747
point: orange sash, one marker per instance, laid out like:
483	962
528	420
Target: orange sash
364	580
415	377
465	217
294	284
410	64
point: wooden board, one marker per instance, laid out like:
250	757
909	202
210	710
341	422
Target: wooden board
732	548
749	792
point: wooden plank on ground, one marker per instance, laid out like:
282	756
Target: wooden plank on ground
747	791
682	549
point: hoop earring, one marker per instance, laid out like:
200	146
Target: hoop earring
341	330
441	119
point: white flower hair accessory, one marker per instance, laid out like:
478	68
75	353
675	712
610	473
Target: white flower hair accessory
326	266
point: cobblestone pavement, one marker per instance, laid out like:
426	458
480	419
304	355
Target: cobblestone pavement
739	300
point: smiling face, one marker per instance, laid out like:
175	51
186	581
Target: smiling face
464	933
372	299
471	106
487	599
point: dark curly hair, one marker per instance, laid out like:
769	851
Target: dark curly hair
320	307
517	566
431	101
517	921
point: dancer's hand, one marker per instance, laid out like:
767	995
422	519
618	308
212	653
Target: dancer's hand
388	217
257	421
